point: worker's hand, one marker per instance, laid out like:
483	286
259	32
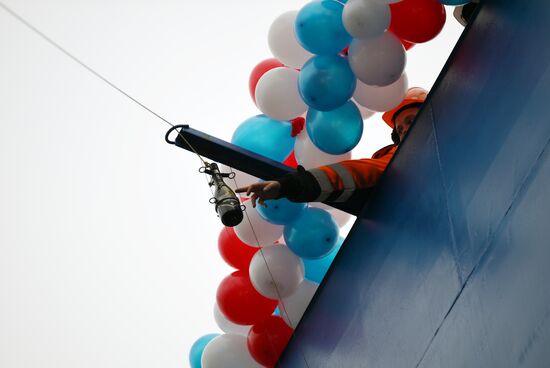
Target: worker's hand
261	191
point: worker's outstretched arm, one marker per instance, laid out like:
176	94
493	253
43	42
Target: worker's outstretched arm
298	187
332	183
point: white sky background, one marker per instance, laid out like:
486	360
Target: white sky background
108	245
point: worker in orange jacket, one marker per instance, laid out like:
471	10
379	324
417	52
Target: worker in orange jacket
337	182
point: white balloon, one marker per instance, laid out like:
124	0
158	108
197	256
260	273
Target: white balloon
261	231
283	44
277	94
381	98
228	351
310	156
365	18
241	178
276	272
293	307
321	205
341	217
377	61
227	326
365	113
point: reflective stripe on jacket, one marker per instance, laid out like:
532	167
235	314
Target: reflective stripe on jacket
339	181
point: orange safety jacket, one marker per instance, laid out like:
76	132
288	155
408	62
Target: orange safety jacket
336	182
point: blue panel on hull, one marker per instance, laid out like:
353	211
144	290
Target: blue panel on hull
388	272
502	318
448	265
489	111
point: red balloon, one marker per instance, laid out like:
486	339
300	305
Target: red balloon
240	302
291	160
345	51
267	340
417	21
257	73
406	44
233	251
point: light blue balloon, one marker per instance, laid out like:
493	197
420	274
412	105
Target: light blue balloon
265	136
281	211
326	82
337	131
277	312
195	354
319	27
316	269
454	2
313	235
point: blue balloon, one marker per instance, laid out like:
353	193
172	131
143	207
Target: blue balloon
454	2
265	136
277	312
313	235
319	27
316	269
281	211
195	354
337	131
326	82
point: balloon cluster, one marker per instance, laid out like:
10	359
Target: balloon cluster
335	63
259	304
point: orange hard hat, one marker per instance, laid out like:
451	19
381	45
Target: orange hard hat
414	95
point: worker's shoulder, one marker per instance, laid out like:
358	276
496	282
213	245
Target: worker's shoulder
385	151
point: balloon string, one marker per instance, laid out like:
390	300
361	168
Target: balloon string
136	101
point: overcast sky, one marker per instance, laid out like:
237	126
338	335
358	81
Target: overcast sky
108	245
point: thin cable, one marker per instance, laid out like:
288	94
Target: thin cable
77	60
91	70
261	251
279	297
